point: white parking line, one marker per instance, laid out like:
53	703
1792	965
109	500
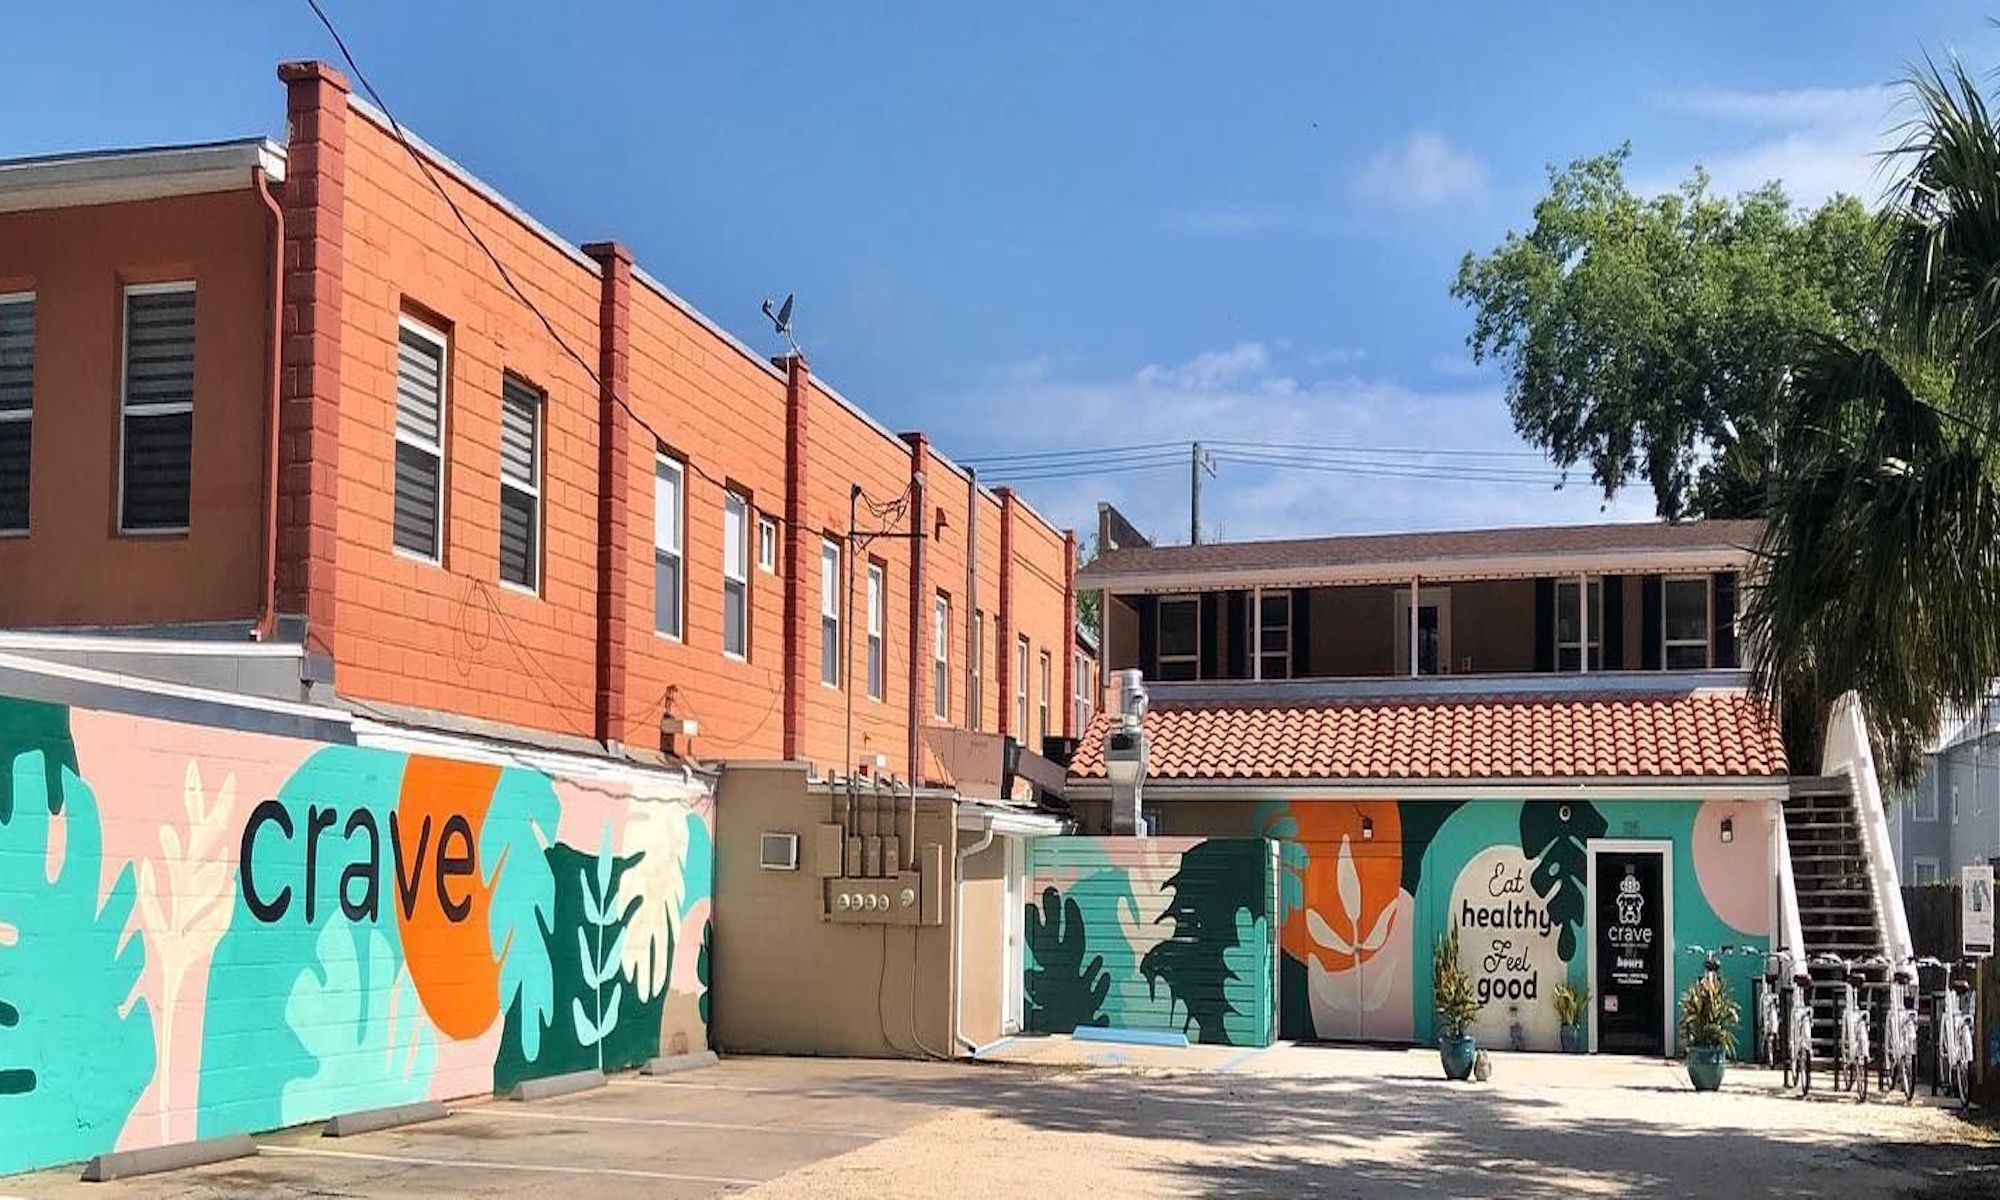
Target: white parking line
411	1160
669	1122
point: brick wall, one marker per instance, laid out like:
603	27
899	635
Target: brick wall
1037	610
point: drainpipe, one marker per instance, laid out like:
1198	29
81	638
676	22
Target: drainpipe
958	934
267	612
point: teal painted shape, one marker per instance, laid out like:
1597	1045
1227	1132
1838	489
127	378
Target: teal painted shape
1104	895
254	1062
1246	984
368	1050
1472	828
1217	880
72	1064
1066	986
29	725
520	823
698	870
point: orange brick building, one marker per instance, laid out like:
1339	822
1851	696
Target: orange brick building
251	388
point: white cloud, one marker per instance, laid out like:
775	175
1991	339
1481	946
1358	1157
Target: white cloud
1816	141
1227	219
1424	172
1253	392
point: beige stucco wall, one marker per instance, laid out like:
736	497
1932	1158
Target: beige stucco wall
984	949
787	981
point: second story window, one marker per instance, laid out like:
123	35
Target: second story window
877	664
1924	806
1042	697
520	483
1083	712
1021	691
669	485
420	424
1685	624
977	652
829	612
735	574
1180	637
767	545
941	658
17	407
1569	634
1274	625
157	409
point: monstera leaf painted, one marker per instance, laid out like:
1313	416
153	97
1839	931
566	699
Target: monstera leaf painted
1217	879
1243	985
369	1050
1556	833
1061	989
513	847
76	1049
702	969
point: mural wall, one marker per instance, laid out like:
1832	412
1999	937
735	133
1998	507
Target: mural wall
1152	933
1367	887
205	931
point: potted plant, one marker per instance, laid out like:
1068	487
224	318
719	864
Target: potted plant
1572	1004
1457	1007
1708	1029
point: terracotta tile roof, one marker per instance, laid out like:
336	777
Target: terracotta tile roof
1689	734
1725	537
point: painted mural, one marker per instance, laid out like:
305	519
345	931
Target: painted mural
1368	886
205	931
1152	933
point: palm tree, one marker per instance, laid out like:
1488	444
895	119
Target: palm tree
1882	547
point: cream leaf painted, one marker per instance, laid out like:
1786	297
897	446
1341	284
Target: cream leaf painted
658	880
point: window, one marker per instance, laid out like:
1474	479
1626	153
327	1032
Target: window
735	574
669	486
1021	690
520	483
156	462
1274	650
1924	871
829	612
941	659
1685	623
1042	706
1924	803
975	719
1081	668
1568	646
876	666
418	518
1180	637
1954	804
767	545
17	407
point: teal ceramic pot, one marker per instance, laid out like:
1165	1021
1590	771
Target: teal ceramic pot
1457	1053
1705	1067
1572	1039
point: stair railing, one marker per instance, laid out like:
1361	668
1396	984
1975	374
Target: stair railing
1791	929
1847	752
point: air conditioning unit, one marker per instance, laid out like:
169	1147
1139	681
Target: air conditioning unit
778	851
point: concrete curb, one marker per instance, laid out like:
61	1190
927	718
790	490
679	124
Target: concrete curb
368	1120
1129	1037
557	1085
124	1164
674	1064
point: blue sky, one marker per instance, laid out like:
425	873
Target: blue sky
1042	226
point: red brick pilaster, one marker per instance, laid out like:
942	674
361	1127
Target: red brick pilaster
801	608
614	479
309	359
921	620
1069	636
1004	634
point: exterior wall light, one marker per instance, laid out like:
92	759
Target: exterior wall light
1368	829
1729	829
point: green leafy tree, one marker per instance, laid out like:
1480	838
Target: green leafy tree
1643	336
1062	990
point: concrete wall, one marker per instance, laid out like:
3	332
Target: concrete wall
205	931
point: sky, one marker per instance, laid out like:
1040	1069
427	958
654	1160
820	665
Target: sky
1058	227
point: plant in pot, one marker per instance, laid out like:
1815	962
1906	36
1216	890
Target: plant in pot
1709	1015
1457	1007
1572	1004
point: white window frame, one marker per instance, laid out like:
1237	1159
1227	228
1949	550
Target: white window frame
533	489
1924	804
1161	657
666	466
877	683
126	410
832	667
1919	863
1259	626
1595	638
976	650
740	577
767	545
1042	705
1080	666
1021	657
941	657
443	344
1707	642
26	416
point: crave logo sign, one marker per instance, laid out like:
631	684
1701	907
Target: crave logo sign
1509	942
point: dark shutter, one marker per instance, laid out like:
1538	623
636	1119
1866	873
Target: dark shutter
1301	633
17	400
1238	639
1650	615
1146	610
1210	643
1725	618
1545	625
158	456
1614	622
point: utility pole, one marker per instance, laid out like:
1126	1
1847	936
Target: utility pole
1197	463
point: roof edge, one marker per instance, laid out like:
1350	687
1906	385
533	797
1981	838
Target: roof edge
77	180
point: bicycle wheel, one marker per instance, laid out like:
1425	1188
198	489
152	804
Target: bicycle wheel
1958	1084
1907	1064
1861	1079
1802	1071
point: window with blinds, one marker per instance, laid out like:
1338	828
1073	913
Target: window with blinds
829	613
669	482
420	420
520	484
17	407
156	462
736	574
878	667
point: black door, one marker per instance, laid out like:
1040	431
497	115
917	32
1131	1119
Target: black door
1631	953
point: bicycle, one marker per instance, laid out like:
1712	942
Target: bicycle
1899	1033
1954	1039
1788	1043
1850	1061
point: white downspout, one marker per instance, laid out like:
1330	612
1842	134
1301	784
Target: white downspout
958	933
